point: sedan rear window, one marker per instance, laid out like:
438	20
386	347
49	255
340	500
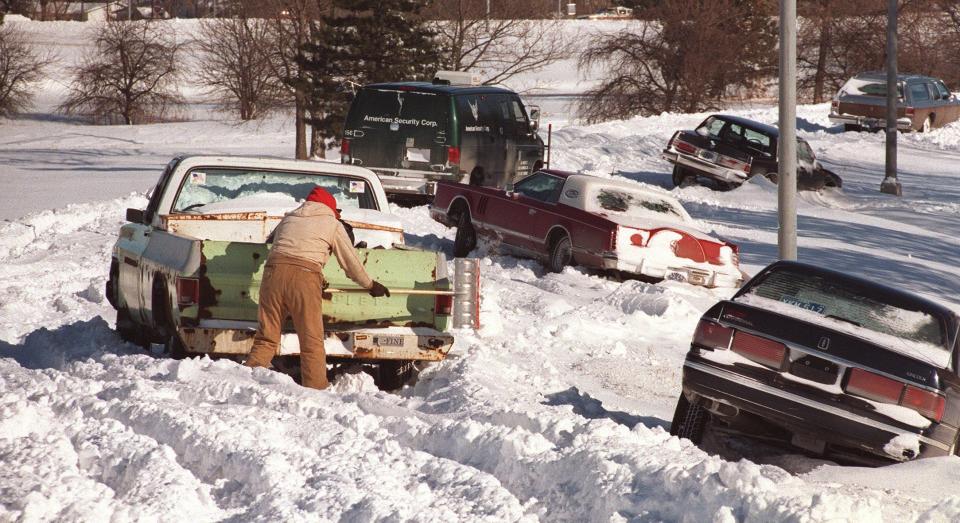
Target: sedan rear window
634	204
839	306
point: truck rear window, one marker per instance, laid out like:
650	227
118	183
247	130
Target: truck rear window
411	113
839	306
216	190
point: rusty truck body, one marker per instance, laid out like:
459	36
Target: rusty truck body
186	270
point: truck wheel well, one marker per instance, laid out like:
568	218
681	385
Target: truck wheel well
160	310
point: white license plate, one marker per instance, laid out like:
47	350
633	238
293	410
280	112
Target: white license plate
676	276
418	155
389	341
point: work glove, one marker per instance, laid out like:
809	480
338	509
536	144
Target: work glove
377	290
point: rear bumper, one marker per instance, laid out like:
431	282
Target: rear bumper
412	182
692	275
903	124
703	167
800	415
388	343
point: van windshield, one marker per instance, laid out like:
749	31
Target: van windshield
411	113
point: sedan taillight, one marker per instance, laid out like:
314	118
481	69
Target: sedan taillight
759	349
882	389
712	335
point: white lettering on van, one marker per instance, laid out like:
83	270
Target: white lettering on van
400	121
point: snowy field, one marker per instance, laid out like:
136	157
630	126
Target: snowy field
558	409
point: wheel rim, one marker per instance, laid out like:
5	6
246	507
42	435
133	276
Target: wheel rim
561	254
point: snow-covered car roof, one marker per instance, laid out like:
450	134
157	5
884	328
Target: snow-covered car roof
585	183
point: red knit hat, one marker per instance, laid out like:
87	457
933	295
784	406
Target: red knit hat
320	195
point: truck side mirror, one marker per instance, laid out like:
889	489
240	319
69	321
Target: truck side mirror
534	118
135	215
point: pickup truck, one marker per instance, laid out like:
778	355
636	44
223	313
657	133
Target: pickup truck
186	270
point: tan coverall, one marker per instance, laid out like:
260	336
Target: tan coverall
293	283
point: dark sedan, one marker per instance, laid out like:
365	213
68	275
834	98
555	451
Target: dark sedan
832	364
729	150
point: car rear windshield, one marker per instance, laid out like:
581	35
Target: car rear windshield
862	87
411	113
210	191
853	309
631	203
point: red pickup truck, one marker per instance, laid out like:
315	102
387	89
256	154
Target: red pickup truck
565	219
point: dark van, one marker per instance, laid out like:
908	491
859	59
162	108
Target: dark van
413	134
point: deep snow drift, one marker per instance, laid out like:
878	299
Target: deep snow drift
556	410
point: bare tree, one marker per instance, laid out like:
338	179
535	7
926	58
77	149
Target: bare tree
21	65
692	55
131	75
498	45
235	64
290	22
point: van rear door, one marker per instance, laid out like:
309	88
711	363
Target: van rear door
395	128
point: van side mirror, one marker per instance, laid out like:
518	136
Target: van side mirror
534	118
135	215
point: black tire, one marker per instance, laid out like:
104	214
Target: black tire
113	285
174	347
682	178
466	239
477	177
689	421
561	254
129	331
537	166
393	374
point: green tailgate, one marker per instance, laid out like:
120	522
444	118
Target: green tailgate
230	286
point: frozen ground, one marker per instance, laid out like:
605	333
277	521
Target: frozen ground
556	410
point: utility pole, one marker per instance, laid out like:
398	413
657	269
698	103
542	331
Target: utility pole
787	148
890	184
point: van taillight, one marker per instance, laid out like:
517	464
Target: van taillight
345	147
443	305
188	291
453	155
758	349
874	387
712	335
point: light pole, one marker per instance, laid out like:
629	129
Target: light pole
787	149
890	184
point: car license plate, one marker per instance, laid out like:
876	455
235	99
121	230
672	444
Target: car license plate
707	155
389	341
676	276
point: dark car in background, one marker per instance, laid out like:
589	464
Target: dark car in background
922	103
830	363
730	149
413	134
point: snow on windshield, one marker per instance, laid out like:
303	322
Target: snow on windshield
233	190
912	333
631	203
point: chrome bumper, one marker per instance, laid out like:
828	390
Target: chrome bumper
903	124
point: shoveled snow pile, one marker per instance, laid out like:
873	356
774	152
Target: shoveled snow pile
557	409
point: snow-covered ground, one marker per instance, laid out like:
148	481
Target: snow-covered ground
556	410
